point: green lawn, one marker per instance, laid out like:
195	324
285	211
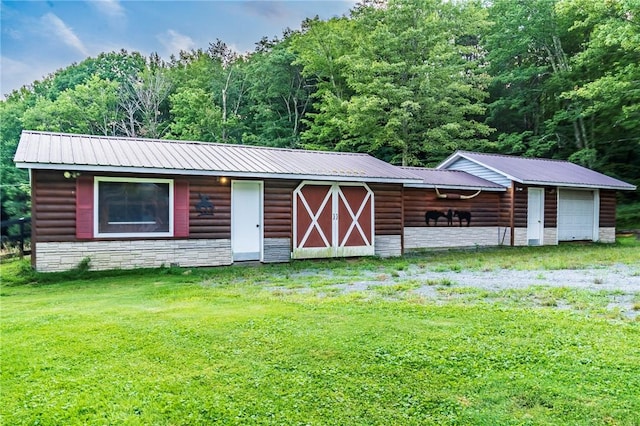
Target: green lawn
272	345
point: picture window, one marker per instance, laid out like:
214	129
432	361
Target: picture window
133	207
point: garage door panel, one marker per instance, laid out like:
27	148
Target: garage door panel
576	215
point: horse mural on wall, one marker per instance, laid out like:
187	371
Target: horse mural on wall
434	215
461	215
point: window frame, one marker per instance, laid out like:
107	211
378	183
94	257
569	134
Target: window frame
96	207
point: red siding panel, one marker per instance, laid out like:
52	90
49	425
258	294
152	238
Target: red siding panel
181	208
84	207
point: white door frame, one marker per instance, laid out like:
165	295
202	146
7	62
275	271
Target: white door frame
235	226
535	216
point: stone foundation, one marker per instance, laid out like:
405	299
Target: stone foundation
453	237
130	254
388	245
550	237
607	235
520	237
276	250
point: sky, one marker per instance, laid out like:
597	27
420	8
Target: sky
40	37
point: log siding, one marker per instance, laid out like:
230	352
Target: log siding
388	209
218	225
278	208
53	207
485	208
607	209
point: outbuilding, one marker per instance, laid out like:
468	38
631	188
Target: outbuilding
131	202
451	208
547	201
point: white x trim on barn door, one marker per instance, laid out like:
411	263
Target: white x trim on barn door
314	218
342	224
354	218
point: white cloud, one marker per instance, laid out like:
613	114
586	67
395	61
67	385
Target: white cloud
60	30
13	33
16	74
174	42
110	8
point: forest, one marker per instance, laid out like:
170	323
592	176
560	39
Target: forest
407	81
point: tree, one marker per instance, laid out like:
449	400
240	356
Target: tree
607	82
142	99
229	83
89	108
406	88
196	117
566	81
14	182
318	49
278	94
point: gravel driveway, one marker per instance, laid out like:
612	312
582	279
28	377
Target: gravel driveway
614	278
619	285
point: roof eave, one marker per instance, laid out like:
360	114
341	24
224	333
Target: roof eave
579	185
458	187
226	173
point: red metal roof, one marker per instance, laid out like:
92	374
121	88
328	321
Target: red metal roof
45	150
539	171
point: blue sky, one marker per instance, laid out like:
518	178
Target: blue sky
40	37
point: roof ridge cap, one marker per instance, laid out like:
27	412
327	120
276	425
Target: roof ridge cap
433	169
517	157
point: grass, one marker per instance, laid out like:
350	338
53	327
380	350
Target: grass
275	345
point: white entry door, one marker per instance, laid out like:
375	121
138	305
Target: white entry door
535	216
246	220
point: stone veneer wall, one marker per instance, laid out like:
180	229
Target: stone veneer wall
607	235
388	245
451	237
520	237
276	250
129	254
550	237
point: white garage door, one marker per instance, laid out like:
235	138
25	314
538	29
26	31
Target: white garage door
576	215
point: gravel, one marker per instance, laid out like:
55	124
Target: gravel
619	283
614	278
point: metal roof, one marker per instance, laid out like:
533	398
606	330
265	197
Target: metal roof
451	179
45	150
539	171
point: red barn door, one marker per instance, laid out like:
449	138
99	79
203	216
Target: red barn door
332	220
